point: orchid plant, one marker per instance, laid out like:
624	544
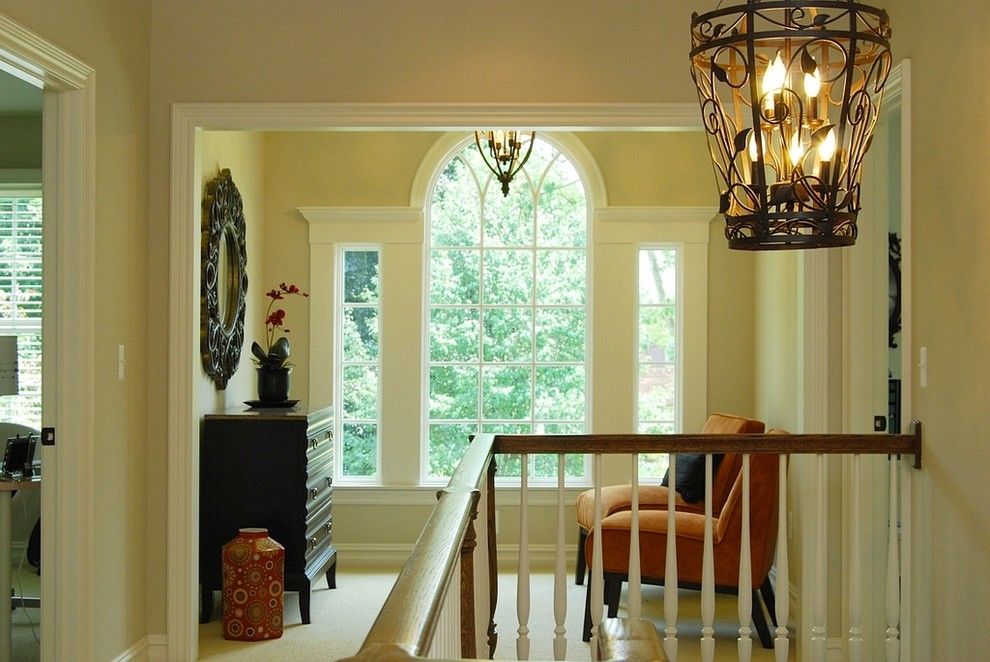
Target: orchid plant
277	355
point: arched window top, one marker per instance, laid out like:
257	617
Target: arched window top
572	150
467	207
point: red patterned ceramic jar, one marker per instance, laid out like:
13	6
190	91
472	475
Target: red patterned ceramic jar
253	579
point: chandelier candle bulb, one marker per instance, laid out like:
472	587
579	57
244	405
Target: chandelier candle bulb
812	87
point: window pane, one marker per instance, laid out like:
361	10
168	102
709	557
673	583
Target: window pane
656	393
508	277
563	207
454	276
508	335
454	215
453	392
506	393
657	276
561	335
446	447
560	393
509	219
360	331
361	276
657	334
653	465
360	449
454	334
562	277
359	388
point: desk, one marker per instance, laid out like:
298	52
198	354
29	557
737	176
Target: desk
7	488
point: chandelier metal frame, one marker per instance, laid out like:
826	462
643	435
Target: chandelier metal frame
790	94
504	148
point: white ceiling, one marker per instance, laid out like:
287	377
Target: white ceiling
16	96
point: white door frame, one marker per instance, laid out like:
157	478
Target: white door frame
184	260
68	330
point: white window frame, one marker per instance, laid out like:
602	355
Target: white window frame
424	458
338	366
678	361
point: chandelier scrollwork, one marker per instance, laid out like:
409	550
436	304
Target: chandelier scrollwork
790	93
502	155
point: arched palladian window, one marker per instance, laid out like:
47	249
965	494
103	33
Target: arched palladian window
507	310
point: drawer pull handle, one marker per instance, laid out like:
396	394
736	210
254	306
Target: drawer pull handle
329	481
329	525
312	492
312	543
329	435
313	443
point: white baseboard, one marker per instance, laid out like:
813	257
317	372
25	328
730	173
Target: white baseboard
394	555
152	648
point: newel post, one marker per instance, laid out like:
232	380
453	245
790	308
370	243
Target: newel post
469	647
492	561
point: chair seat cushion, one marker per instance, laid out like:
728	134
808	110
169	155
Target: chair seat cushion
617	498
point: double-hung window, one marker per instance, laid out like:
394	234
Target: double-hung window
20	300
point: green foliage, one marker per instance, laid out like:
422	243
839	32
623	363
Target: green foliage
508	325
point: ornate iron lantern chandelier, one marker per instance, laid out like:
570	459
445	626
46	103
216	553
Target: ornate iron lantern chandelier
790	93
504	148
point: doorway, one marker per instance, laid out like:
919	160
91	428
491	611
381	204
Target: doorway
68	186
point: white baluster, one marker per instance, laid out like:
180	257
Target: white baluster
670	570
522	580
893	573
781	643
597	588
560	579
708	574
634	598
818	643
855	568
745	643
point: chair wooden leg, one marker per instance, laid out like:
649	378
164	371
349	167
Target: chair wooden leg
613	591
581	563
760	621
586	632
766	592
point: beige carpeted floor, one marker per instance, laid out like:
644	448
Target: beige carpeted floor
25	628
341	618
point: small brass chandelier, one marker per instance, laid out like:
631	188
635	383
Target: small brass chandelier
504	148
790	93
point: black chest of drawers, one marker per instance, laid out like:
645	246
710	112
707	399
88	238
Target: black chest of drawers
268	468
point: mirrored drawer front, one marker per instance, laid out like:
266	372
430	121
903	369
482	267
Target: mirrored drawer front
319	468
318	490
319	443
319	539
316	515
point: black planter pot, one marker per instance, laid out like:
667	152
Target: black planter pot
273	384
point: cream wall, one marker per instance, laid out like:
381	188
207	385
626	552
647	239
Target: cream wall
20	140
113	37
243	153
947	46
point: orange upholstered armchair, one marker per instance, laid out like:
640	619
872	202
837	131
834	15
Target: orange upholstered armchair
690	537
617	498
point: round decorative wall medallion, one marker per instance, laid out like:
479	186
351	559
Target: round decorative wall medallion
224	279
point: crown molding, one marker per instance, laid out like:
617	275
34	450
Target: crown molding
443	116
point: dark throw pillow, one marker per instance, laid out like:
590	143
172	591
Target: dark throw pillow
691	475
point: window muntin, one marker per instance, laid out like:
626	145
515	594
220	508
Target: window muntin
358	369
21	301
507	329
657	348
